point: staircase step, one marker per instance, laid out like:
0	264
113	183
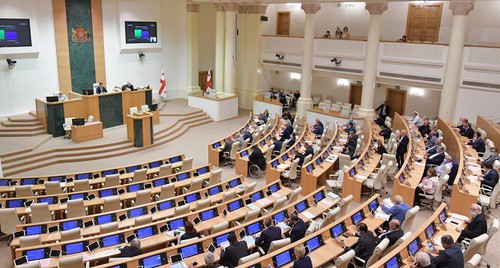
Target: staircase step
28	118
22	133
20	123
22	129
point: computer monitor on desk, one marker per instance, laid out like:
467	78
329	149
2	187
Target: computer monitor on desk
78	121
52	98
87	92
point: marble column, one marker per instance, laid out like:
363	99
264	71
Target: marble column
371	57
220	33
305	100
451	81
231	9
192	28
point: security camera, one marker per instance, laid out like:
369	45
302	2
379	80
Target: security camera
141	55
280	56
11	63
337	61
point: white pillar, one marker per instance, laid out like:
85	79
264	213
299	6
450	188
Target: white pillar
192	28
305	100
220	33
451	80
229	56
371	57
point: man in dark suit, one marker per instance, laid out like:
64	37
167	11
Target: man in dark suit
133	250
291	141
268	235
228	144
491	158
385	132
300	156
490	177
264	116
383	110
288	116
100	89
128	86
299	228
379	120
434	149
451	256
466	129
318	127
302	261
287	132
234	252
402	148
476	226
309	149
248	135
393	234
477	143
366	242
425	128
277	145
453	172
437	158
350	127
257	157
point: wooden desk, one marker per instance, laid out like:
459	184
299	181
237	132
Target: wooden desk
86	132
493	133
140	129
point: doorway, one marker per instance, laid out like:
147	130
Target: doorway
423	23
355	94
396	99
283	23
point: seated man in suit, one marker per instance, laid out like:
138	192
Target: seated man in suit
434	149
100	89
302	261
133	250
379	120
466	129
291	141
477	143
423	260
309	149
490	177
350	128
318	128
437	158
287	132
268	235
248	135
430	141
476	226
277	145
383	110
231	255
415	119
451	256
299	228
366	242
127	86
228	144
264	116
425	128
385	132
300	156
448	160
491	158
393	234
398	211
257	157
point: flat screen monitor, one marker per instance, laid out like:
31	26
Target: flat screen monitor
140	32
74	248
57	178
136	212
215	190
159	182
401	178
352	172
257	196
373	205
134	188
176	224
394	262
244	154
70	225
253	228
105	219
111	240
274	188
220	239
216	145
35	230
234	183
275	163
132	168
443	215
36	254
77	196
319	161
83	176
154	261
310	168
319	196
15	33
284	157
4	182
145	232
189	251
315	243
357	217
87	92
16	203
414	246
283	258
155	164
280	217
165	205
175	159
192	198
203	170
105	173
183	176
49	200
207	215
107	192
78	121
430	230
28	181
360	163
338	229
301	206
234	205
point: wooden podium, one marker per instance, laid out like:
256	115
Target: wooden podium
140	129
86	132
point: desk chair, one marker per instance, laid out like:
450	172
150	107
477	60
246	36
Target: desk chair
215	178
167	192
53	187
40	212
398	243
111	203
9	220
393	149
344	203
248	258
112	180
409	218
187	164
71	234
24	191
321	222
68	122
245	144
145	108
344	160
255	136
231	156
29	241
133	110
250	188
90	120
75	208
219	227
488	197
374	182
294	196
343	260
277	244
195	185
108	227
72	262
140	175
249	216
336	185
202	204
474	246
143	197
178	211
277	205
269	153
375	256
386	158
228	195
165	170
81	186
475	261
291	175
142	220
430	199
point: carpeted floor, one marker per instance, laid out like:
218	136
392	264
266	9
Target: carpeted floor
193	143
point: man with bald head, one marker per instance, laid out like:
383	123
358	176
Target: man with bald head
476	226
398	211
422	260
402	148
133	250
432	150
393	234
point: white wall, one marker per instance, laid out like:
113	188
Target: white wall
32	77
471	103
483	22
206	37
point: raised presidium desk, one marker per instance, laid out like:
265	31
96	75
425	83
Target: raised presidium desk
140	129
218	108
86	132
260	103
110	108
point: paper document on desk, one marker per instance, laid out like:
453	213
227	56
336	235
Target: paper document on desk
474	169
472	178
283	166
333	196
250	240
327	202
252	207
459	216
308	215
45	262
276	195
388	202
437	241
470	158
178	265
283	226
420	164
382	215
263	201
360	177
224	244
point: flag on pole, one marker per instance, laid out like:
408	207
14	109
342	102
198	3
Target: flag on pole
162	91
208	91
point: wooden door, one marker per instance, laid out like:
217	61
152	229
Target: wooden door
396	99
423	23
283	23
355	94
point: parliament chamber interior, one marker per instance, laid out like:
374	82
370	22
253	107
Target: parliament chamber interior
249	133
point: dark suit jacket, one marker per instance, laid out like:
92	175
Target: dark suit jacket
98	90
277	145
264	117
129	251
267	236
478	145
393	236
309	151
384	109
233	253
366	245
453	172
491	178
381	150
451	257
301	157
436	160
424	130
403	145
380	121
249	136
491	160
257	157
298	230
227	147
432	150
303	263
290	142
475	228
125	87
467	132
287	133
318	129
386	133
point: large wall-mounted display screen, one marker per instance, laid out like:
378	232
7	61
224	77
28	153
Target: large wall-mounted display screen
15	33
140	32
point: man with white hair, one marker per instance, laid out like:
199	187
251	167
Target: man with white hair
423	260
287	132
476	226
437	158
398	211
133	250
415	119
446	162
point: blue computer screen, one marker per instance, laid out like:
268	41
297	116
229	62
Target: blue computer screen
28	181
110	240
152	261
176	224
165	205
136	212
216	145
155	164
413	247
319	196
132	169
34	230
15	203
279	217
234	205
134	188
319	161
256	196
373	205
275	163
352	172
207	215
159	182
214	190
301	206
175	159
221	239
104	219
357	217
109	172
284	157
35	254
337	230
430	231
57	178
234	183
48	200
310	168
203	170
253	228
4	182
182	176
144	232
191	198
106	193
83	176
244	154
283	258
189	251
74	248
313	244
69	225
393	263
76	196
273	188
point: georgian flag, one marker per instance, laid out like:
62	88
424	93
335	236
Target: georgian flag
209	84
162	91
